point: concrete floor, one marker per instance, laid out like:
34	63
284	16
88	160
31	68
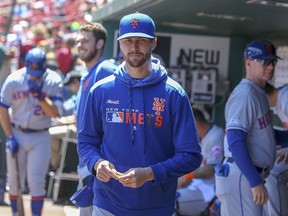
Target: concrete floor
49	208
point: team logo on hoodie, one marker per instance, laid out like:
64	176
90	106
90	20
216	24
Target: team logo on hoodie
136	117
158	105
116	117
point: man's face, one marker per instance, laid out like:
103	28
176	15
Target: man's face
136	50
74	86
262	72
86	46
58	43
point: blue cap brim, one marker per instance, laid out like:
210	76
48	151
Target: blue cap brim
271	57
83	197
135	34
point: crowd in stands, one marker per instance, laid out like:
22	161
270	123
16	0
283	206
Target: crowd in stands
49	24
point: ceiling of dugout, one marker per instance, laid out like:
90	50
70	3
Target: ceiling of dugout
250	18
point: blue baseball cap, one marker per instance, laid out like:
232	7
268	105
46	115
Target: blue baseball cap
136	25
84	197
261	50
35	62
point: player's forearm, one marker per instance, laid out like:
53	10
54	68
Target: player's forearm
237	146
5	121
49	108
67	119
205	171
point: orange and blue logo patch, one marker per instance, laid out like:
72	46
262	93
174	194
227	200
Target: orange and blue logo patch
158	105
115	117
134	23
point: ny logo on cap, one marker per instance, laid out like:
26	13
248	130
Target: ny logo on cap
134	23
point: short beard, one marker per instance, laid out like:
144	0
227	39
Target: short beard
90	57
138	63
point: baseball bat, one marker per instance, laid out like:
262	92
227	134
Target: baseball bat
20	206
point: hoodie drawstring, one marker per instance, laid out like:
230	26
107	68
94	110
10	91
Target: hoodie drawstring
132	126
130	110
144	126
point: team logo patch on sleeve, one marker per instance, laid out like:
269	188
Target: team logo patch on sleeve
216	152
234	122
115	117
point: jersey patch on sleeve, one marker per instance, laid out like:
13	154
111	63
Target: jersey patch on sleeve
234	122
217	152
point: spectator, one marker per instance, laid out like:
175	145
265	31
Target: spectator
65	56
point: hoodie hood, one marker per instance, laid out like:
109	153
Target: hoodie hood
158	74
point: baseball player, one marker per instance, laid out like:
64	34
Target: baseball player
195	197
138	132
276	183
249	143
90	44
29	98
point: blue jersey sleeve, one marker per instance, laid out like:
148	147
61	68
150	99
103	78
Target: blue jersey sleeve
237	145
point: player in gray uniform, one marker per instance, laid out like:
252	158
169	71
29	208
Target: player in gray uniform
277	181
195	197
29	98
278	100
249	143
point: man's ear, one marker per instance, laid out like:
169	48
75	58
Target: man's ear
247	63
100	44
154	43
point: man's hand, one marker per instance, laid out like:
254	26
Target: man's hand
105	170
282	155
136	177
36	89
12	145
260	194
133	178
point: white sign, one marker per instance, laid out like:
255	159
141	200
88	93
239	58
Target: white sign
191	50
